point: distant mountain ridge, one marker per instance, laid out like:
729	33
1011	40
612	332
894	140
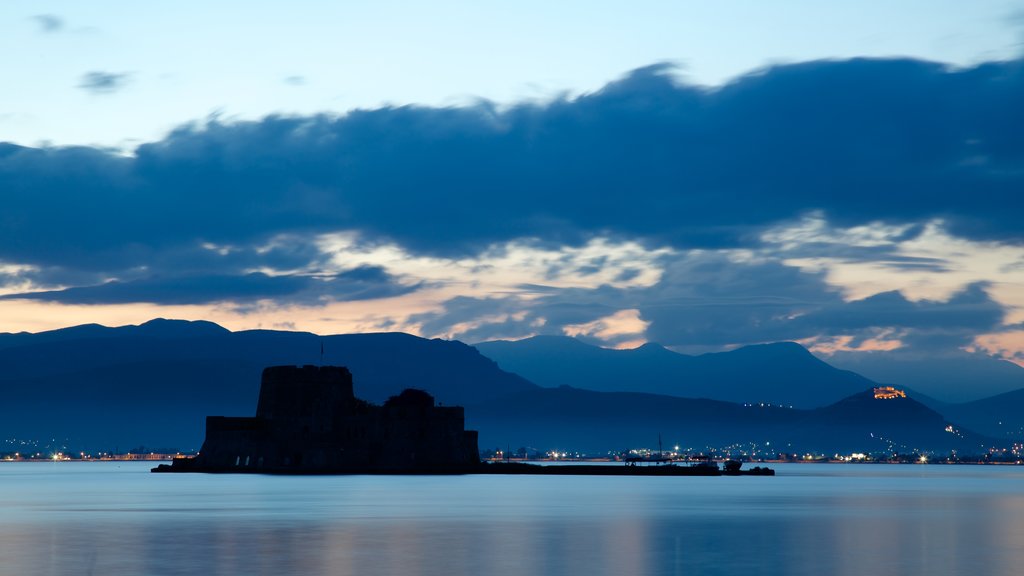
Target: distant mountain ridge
158	327
1000	416
571	418
960	377
783	373
155	383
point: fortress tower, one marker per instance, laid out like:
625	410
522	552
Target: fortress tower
308	420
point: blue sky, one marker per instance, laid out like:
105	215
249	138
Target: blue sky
172	63
845	175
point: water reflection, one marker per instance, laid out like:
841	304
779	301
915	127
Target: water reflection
84	518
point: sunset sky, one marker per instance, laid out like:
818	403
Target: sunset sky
846	175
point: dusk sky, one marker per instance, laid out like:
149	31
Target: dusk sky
846	175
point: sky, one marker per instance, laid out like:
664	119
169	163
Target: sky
848	175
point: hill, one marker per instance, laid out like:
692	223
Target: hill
154	384
1000	416
99	388
863	423
956	378
570	418
585	420
784	373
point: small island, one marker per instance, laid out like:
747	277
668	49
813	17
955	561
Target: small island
309	421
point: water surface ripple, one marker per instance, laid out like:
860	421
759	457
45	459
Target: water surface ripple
112	519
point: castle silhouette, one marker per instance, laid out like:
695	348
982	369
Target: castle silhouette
308	420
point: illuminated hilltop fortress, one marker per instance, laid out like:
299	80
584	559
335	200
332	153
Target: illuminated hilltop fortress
888	393
308	420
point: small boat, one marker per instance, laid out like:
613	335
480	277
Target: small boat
732	468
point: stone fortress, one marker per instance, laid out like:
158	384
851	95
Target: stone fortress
308	420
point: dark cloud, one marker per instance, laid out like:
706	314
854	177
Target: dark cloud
703	299
917	264
719	303
886	253
99	82
859	140
709	300
646	157
181	290
971	310
473	319
712	300
362	283
49	22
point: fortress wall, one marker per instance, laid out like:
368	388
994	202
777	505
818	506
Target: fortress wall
304	392
308	420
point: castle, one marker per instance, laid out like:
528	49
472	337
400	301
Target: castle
308	420
888	393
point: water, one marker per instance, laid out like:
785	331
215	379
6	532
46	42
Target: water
117	519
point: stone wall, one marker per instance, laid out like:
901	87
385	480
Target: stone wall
309	420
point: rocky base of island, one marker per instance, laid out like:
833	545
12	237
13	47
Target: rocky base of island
730	468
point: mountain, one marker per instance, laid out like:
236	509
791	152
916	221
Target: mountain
159	327
98	388
963	377
570	418
784	373
864	423
1000	416
585	420
154	384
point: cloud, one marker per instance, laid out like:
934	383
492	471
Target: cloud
49	23
644	157
99	82
513	316
972	309
922	325
702	298
473	319
295	80
876	148
364	283
712	299
622	329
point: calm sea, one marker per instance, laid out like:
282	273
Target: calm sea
118	519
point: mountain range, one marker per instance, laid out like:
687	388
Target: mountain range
784	373
99	388
155	383
585	420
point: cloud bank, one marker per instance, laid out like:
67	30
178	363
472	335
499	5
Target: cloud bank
232	211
